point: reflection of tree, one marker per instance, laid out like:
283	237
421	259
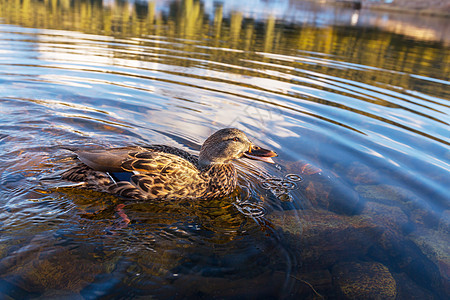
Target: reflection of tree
189	21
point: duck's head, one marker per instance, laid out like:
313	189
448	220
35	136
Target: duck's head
228	144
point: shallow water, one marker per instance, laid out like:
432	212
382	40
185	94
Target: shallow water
358	114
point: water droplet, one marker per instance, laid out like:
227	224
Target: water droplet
293	177
267	185
288	184
250	209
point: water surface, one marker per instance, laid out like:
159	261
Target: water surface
358	113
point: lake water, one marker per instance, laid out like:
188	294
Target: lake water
355	103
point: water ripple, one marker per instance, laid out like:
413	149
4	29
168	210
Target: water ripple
369	120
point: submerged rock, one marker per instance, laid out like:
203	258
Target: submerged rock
408	289
320	238
395	249
389	220
4	248
444	223
290	222
364	280
38	266
317	193
57	273
358	173
383	192
434	244
343	199
419	212
325	190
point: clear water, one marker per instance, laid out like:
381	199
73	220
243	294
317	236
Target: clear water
357	111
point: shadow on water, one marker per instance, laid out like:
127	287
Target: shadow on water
357	204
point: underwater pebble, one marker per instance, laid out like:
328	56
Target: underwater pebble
364	280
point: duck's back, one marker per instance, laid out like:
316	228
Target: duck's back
155	172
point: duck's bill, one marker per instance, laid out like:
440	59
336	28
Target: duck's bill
261	154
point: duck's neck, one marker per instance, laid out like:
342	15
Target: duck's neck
206	163
222	179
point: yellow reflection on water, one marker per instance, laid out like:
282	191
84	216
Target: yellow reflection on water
189	21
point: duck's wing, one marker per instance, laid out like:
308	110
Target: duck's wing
176	151
163	175
152	174
106	160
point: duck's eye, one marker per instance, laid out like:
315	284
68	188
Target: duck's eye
236	139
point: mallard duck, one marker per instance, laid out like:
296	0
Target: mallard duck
159	172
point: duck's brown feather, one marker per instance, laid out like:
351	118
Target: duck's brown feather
165	172
157	175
